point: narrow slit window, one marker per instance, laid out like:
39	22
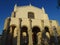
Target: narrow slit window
14	14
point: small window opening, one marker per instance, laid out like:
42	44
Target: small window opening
31	15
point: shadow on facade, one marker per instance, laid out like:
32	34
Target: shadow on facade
24	36
54	39
45	36
8	36
35	30
8	39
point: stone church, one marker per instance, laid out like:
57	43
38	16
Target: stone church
29	25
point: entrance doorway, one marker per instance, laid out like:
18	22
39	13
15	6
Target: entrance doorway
46	36
24	35
35	30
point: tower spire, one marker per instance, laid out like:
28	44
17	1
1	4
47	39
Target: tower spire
30	4
15	7
43	9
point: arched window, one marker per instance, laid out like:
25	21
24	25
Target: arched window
54	28
24	36
36	29
31	15
46	29
24	29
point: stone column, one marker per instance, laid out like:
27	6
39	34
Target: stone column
4	35
51	30
6	24
39	38
15	36
18	32
10	36
30	33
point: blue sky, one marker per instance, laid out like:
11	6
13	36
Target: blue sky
7	6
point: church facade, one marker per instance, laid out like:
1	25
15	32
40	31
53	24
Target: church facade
30	23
